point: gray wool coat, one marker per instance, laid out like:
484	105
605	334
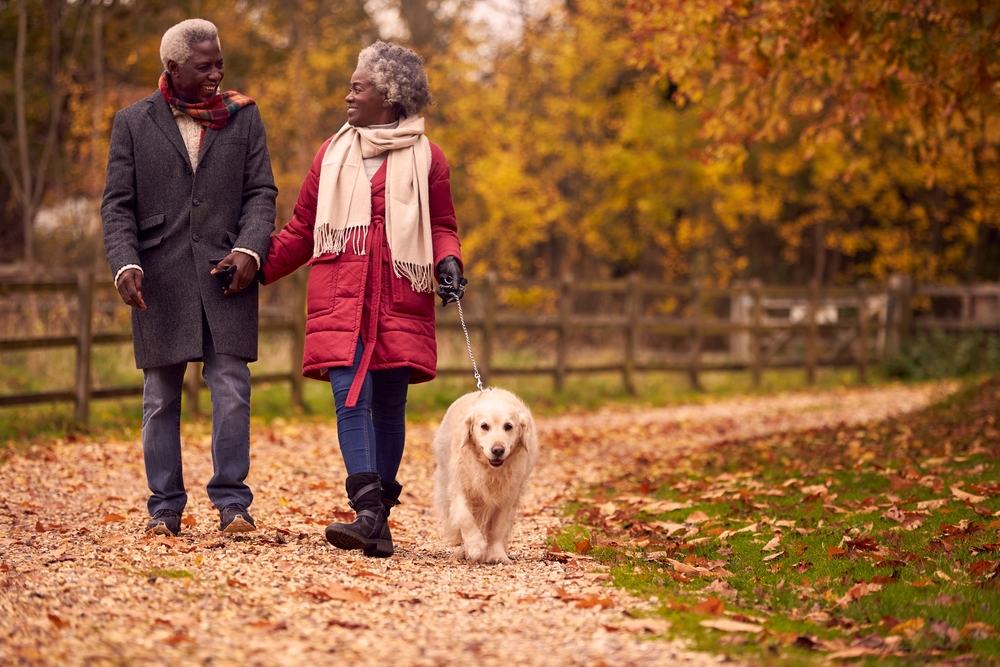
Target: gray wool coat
159	215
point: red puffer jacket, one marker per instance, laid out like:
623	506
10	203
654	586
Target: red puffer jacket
344	290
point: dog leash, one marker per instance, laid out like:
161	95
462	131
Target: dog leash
468	344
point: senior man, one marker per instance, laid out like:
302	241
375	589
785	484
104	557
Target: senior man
189	182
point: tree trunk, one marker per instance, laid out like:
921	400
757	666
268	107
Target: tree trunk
27	211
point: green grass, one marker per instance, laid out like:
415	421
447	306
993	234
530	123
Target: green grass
931	574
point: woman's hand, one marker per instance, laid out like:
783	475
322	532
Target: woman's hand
452	281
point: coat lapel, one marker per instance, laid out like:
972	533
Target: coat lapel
206	141
164	119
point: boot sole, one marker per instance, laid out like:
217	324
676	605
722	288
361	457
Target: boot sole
161	529
239	525
342	538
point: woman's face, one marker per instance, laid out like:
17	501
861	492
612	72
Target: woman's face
198	79
365	105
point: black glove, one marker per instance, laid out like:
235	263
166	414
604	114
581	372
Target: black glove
452	282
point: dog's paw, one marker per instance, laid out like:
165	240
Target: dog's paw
475	553
497	554
458	553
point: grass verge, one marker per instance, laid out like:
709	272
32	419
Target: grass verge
877	543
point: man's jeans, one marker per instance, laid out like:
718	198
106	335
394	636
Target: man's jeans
228	380
372	433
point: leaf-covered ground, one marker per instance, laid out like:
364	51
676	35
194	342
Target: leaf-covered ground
877	541
80	584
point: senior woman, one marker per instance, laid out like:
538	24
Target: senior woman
376	221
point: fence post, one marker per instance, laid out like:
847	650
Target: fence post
298	337
84	340
694	362
562	333
633	306
812	340
489	328
755	342
863	331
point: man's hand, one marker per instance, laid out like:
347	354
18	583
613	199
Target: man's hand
130	287
246	270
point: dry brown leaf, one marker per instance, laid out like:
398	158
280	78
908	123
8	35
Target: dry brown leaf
727	625
773	556
697	517
856	592
113	518
58	622
337	592
712	606
959	494
772	545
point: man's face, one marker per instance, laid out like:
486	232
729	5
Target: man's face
365	104
198	79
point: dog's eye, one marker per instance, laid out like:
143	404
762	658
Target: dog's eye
508	426
484	426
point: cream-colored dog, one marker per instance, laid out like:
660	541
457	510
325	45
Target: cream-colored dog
486	447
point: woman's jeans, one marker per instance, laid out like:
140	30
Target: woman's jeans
372	433
228	380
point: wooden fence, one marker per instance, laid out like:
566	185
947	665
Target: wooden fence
654	327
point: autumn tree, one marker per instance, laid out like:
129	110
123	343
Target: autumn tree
866	131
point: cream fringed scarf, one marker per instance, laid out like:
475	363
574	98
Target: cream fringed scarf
344	199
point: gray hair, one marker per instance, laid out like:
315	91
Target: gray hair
398	73
177	41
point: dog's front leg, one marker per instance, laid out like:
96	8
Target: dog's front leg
473	540
499	537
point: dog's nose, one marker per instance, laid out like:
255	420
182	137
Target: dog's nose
498	451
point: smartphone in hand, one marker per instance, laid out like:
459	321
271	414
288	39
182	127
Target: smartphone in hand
225	274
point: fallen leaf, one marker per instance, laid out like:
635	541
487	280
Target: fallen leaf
697	517
727	625
772	545
712	606
112	518
58	622
773	556
908	628
346	624
337	592
856	592
189	521
591	600
959	494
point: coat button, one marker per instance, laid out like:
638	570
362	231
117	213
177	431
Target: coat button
187	170
197	202
196	237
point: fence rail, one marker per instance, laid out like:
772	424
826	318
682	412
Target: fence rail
760	327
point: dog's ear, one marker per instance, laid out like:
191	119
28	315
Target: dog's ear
470	419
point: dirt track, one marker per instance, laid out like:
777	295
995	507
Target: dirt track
79	584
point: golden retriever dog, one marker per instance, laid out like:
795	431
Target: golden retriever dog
485	447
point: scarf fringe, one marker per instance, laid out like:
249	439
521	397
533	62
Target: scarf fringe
419	275
327	241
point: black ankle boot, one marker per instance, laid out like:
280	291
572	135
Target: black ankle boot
366	532
390	498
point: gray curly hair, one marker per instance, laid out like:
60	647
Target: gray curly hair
177	41
398	73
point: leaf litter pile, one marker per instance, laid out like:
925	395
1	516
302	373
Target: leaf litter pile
876	541
81	584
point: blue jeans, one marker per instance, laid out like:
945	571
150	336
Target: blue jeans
372	433
228	380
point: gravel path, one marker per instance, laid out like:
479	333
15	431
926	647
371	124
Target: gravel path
80	585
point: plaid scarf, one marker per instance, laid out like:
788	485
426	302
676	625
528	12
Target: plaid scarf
214	113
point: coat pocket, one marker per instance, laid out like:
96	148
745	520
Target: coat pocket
151	221
149	243
150	231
